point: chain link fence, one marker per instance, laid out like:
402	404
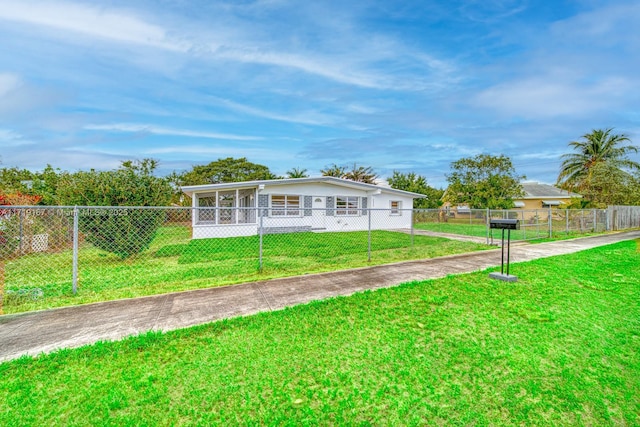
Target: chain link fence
52	256
55	256
534	223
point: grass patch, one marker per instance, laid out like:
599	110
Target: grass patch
527	231
174	262
559	347
465	229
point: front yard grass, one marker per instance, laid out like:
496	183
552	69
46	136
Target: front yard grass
533	232
559	347
176	263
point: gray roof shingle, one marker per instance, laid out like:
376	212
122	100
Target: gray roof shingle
535	190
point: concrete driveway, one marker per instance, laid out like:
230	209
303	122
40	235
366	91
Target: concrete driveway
45	331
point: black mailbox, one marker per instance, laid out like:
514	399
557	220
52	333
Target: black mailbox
505	224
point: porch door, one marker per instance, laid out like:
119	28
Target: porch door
319	214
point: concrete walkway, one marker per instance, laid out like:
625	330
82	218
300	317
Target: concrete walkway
46	331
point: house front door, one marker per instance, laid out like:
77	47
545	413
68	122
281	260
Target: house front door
319	214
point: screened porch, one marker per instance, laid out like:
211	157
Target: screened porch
225	207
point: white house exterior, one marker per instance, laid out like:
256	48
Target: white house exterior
297	204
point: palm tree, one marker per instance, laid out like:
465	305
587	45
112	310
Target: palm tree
297	173
361	174
334	170
599	146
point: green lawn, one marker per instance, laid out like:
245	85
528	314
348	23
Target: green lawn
559	347
175	262
464	228
526	232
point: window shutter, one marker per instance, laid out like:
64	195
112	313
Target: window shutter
330	205
364	205
263	204
308	203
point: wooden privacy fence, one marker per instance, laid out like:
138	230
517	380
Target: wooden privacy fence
623	217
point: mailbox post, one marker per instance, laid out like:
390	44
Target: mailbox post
504	224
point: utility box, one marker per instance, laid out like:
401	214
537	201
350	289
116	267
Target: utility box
504	224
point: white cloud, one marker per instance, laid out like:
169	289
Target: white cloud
307	118
548	97
350	64
89	21
326	67
158	130
611	24
490	11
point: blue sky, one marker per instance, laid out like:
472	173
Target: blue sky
397	85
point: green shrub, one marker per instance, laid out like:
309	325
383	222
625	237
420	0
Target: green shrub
123	232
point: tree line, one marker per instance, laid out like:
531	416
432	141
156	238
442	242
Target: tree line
135	184
599	168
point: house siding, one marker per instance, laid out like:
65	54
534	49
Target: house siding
317	220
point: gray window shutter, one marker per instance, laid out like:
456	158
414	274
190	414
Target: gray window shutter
263	204
330	205
364	205
308	202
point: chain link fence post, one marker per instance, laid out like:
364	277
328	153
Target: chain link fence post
486	223
369	237
550	223
75	250
21	231
412	227
260	231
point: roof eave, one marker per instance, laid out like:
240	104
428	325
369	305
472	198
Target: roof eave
190	189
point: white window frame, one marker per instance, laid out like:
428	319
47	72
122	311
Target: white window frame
397	211
347	210
287	210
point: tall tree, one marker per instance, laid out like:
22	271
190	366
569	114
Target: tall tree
598	147
607	185
226	170
417	184
297	173
483	181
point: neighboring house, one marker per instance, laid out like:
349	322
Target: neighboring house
543	196
536	196
297	204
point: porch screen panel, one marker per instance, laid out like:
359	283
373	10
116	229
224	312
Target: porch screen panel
207	203
246	203
227	203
